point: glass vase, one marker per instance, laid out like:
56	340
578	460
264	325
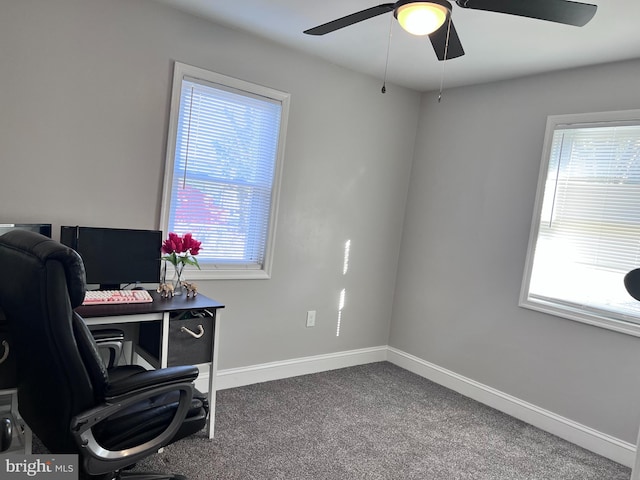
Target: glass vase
176	281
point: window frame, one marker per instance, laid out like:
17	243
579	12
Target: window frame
232	270
623	323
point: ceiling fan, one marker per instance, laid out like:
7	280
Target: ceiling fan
433	18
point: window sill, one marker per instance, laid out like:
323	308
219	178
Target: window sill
620	325
226	274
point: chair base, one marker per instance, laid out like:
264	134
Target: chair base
127	475
148	476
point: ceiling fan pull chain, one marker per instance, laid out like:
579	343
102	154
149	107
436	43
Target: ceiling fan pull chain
386	64
444	61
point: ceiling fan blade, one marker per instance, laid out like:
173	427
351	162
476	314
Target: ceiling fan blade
439	42
350	19
559	11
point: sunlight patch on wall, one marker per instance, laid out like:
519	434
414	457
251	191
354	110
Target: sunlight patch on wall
343	293
347	249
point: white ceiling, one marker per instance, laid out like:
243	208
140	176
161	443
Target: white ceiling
497	46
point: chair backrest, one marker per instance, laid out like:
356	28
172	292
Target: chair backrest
58	374
632	283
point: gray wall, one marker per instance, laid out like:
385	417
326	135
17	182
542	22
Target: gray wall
85	90
466	231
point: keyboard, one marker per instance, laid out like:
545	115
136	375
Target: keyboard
110	297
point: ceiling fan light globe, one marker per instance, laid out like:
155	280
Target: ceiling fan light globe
421	18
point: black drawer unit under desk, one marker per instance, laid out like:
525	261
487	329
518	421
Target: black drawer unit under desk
190	337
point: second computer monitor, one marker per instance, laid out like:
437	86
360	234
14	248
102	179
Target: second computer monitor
41	228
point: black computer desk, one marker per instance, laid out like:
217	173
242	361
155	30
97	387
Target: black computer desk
168	334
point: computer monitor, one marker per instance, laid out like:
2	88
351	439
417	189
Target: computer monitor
116	257
41	228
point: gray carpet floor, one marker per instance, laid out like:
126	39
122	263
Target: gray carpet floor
373	421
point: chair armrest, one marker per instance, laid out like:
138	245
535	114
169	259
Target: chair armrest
130	390
151	379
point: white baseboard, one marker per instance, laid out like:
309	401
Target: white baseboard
265	372
574	432
600	443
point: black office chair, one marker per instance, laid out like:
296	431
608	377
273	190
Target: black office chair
73	404
632	283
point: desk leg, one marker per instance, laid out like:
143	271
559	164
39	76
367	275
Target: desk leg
164	349
213	371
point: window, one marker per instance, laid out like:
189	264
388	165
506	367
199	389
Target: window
585	233
224	158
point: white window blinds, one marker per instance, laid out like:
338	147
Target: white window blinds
227	146
588	228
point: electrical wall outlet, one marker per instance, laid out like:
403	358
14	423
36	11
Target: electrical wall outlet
311	318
